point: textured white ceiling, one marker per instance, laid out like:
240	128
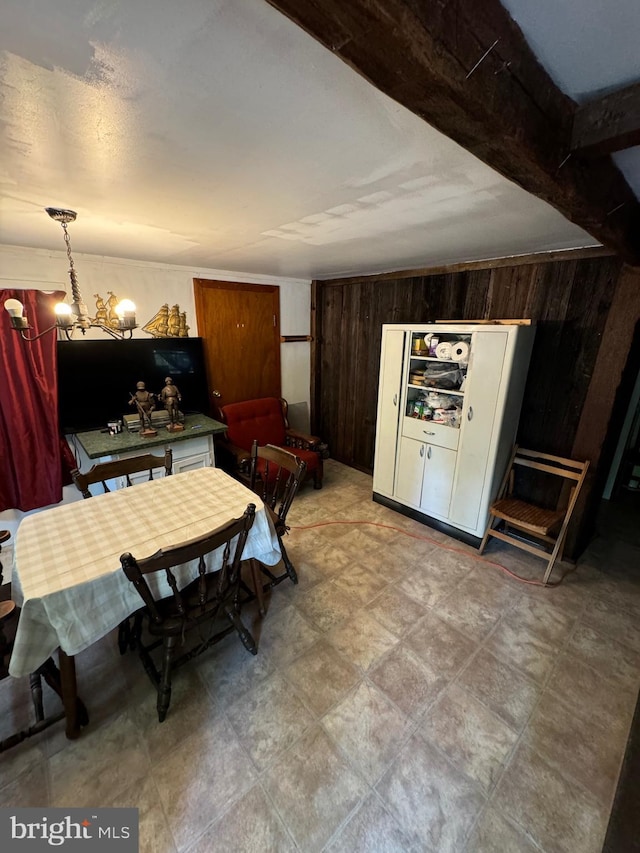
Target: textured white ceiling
215	133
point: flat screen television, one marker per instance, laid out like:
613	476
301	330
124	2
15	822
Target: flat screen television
96	377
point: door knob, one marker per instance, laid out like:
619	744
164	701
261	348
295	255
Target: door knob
216	393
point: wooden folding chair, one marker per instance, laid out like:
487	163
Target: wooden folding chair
539	528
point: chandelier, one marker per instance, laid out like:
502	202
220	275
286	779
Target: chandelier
74	315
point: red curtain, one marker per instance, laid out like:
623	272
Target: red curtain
30	461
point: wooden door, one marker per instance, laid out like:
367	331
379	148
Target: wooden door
240	327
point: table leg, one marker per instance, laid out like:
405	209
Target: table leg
70	699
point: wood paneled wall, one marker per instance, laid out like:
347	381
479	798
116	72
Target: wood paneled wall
571	301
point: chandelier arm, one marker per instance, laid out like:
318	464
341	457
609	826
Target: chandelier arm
39	335
119	334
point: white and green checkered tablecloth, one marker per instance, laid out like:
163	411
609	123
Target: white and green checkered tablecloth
67	576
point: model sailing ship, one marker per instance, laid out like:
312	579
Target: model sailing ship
168	323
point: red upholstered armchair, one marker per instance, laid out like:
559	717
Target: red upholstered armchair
265	421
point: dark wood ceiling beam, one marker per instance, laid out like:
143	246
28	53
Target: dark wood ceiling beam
507	110
608	124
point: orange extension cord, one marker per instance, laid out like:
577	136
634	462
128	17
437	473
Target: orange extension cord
440	545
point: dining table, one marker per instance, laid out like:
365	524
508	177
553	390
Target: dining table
67	577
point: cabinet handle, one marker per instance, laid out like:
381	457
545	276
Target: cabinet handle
470	413
429	453
422	450
426	432
395	399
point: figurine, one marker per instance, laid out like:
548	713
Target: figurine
170	396
143	401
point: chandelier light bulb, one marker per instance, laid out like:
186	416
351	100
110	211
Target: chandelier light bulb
14	307
15	310
126	312
64	315
125	308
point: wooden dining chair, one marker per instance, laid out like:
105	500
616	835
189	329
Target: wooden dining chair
534	528
117	468
102	473
266	421
202	604
275	476
48	671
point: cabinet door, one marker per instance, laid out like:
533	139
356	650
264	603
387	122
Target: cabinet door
477	430
190	463
388	410
437	482
410	471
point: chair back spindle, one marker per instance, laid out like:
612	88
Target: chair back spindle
275	475
104	471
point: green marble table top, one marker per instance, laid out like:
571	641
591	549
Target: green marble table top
97	443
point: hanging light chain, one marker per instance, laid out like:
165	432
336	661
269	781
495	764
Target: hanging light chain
75	289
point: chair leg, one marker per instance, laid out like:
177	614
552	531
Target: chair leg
124	635
245	636
317	479
288	564
42	722
7	610
289	572
164	687
552	559
487	534
35	683
136	631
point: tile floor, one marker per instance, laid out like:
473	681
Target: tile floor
407	696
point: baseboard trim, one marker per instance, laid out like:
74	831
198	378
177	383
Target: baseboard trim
434	523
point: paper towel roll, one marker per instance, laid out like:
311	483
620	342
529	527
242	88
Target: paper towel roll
443	351
460	352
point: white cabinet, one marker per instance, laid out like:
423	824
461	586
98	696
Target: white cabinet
187	455
193	461
448	406
424	476
190	453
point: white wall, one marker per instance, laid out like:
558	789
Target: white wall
150	285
